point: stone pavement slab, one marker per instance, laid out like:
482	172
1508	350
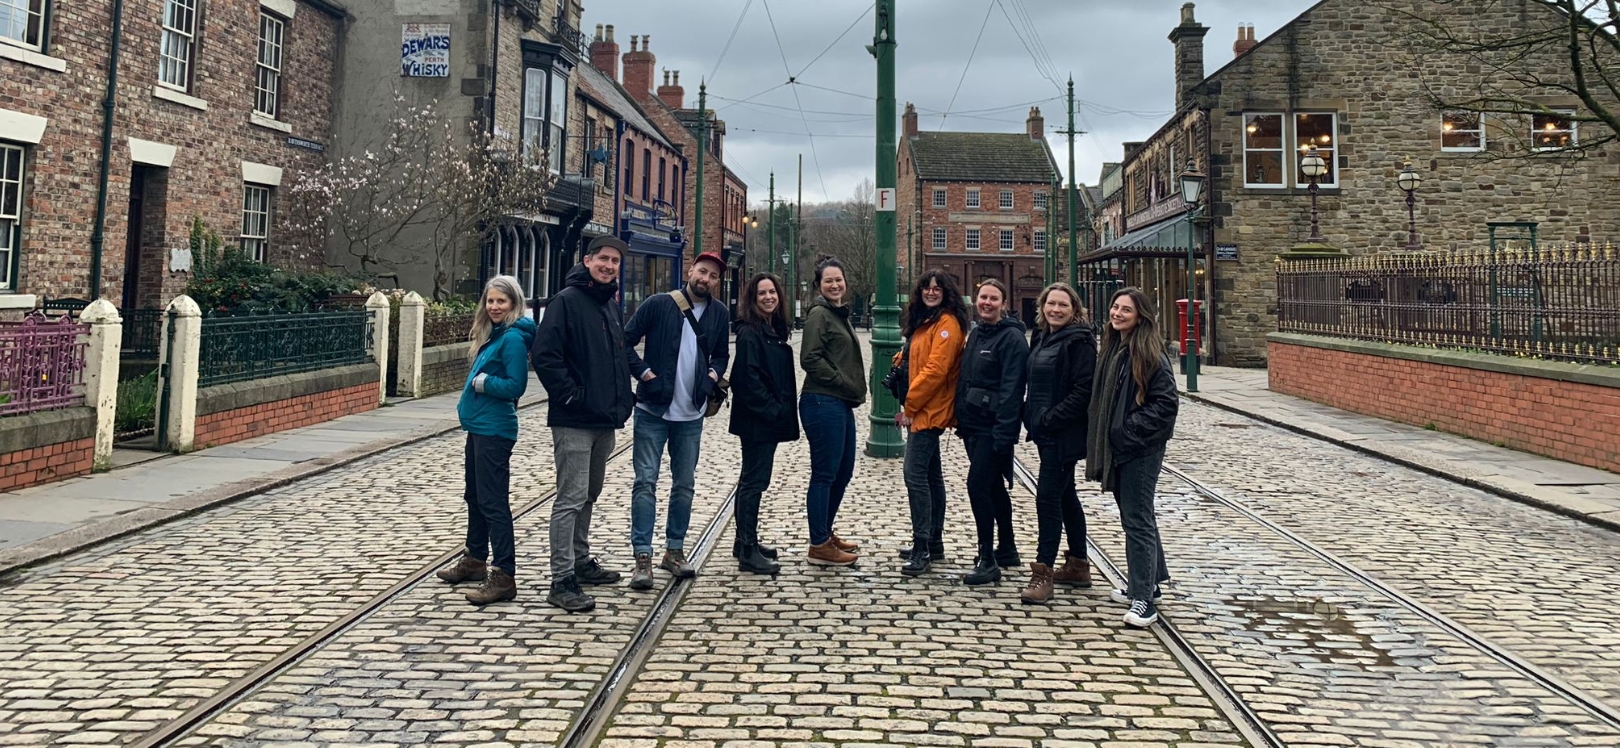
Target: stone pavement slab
44	522
1576	490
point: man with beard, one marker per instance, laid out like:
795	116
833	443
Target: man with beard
688	347
579	355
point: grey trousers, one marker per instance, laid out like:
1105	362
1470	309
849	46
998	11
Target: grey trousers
581	457
1134	485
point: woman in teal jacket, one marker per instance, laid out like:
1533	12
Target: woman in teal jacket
501	336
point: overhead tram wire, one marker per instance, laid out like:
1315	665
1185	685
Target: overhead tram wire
815	158
969	65
744	14
1039	50
1040	66
835	42
735	102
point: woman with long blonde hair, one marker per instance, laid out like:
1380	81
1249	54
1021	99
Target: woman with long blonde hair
499	349
1133	416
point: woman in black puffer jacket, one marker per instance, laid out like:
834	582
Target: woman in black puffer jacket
989	408
1062	357
763	413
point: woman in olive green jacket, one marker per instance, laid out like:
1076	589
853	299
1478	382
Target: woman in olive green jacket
834	384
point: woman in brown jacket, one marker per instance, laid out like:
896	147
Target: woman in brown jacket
933	327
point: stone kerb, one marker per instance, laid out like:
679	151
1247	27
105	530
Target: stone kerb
380	311
412	320
101	374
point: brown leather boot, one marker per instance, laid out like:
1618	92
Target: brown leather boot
1076	572
828	554
497	587
847	546
1039	589
465	569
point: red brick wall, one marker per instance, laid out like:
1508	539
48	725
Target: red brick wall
235	425
1568	421
51	462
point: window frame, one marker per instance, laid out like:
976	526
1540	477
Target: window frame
189	36
973	200
1008	241
941	198
260	66
11	241
1040	241
1281	151
1329	151
1568	115
257	245
629	166
1007	200
974	241
541	120
1479	128
663	171
646	174
941	239
41	29
1042	198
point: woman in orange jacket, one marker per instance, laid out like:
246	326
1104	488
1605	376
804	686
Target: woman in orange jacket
934	327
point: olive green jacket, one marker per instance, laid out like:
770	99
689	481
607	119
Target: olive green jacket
830	354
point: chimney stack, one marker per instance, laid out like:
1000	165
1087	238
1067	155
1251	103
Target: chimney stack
605	52
672	94
1036	124
1245	40
638	69
909	120
1189	40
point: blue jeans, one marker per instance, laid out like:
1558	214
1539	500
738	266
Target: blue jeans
684	439
829	425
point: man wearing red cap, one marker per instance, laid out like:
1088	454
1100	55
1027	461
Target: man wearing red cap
688	348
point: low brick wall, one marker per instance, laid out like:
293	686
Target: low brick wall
48	446
242	410
1566	411
444	368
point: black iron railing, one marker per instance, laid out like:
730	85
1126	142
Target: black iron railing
236	349
441	327
142	335
1558	302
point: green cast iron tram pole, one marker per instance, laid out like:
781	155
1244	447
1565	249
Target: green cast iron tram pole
884	440
771	227
702	145
1074	247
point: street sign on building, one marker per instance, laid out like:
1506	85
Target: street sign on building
424	50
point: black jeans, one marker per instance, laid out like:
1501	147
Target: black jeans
987	493
488	468
925	486
758	461
1134	484
1057	507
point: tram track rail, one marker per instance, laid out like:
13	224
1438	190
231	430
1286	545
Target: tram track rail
1228	701
223	700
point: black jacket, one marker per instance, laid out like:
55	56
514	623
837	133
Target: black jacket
579	355
1061	365
661	323
762	386
990	394
1138	430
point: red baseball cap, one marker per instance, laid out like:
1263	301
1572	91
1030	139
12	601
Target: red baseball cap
711	257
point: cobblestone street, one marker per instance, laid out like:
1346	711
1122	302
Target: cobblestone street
1336	599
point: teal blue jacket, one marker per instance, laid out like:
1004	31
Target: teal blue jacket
496	381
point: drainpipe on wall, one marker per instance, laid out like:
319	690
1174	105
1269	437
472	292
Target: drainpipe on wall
494	66
1211	194
98	233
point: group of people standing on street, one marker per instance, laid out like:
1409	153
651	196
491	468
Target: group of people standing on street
1114	407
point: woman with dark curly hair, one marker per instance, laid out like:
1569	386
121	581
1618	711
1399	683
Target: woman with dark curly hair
933	326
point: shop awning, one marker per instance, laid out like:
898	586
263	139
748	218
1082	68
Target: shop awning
1162	239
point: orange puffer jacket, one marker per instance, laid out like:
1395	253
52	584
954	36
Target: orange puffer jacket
936	363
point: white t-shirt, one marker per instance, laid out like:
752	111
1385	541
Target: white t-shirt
681	407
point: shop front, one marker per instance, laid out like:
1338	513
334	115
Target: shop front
656	250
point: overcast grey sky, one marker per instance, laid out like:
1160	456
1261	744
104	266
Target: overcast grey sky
1116	50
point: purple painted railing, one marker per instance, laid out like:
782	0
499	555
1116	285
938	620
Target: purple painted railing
41	364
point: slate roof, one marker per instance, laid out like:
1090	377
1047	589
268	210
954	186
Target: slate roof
981	157
614	97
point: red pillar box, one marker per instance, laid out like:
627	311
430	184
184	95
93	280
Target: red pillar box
1191	335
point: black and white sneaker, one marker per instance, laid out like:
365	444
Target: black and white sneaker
1120	596
1142	614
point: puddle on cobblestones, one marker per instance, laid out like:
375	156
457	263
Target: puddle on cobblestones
1324	626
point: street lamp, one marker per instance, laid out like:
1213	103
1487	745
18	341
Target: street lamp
1313	167
1408	180
1192	189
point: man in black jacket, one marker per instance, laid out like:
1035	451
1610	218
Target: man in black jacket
688	348
579	355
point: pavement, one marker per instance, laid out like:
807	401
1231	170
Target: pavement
1577	491
147	488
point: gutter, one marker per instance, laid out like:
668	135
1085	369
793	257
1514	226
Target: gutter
98	235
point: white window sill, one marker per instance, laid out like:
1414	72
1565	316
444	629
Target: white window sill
30	57
165	93
18	300
269	123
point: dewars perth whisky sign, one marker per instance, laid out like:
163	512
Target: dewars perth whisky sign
424	50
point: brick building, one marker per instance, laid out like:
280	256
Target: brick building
212	112
1342	78
978	203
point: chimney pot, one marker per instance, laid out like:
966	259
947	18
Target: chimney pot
610	32
598	36
671	92
1245	40
633	43
605	52
1035	125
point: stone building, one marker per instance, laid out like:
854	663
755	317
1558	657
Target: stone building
1346	80
978	205
212	113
